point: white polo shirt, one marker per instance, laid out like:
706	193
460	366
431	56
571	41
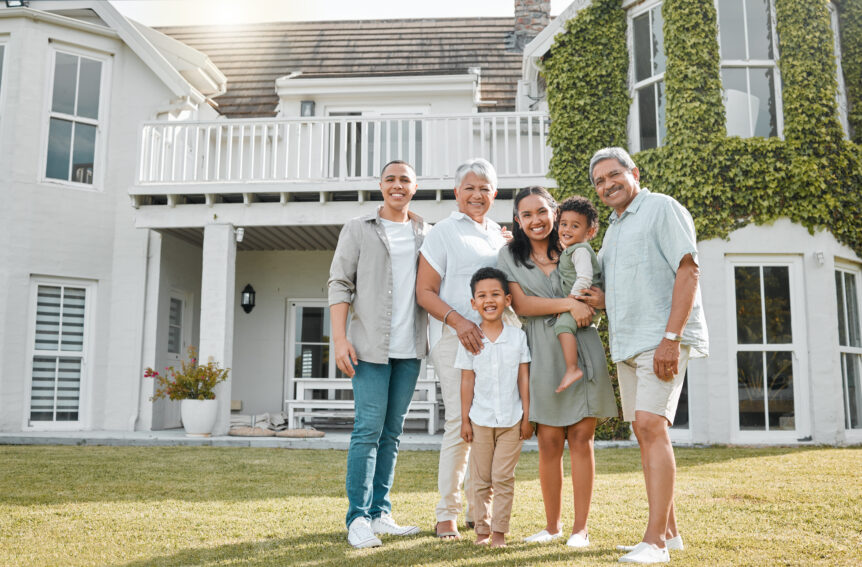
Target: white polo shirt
496	399
456	247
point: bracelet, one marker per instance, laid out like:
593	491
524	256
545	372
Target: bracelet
672	336
447	315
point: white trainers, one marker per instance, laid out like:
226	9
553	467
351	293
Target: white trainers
646	553
543	537
360	536
384	524
577	540
673	544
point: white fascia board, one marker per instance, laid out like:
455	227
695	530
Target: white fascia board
196	66
119	27
296	86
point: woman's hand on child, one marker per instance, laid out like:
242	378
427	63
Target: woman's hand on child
345	356
468	332
467	431
581	313
526	429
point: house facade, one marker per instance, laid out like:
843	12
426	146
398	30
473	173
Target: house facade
154	175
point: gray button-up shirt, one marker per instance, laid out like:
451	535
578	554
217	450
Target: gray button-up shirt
361	275
640	255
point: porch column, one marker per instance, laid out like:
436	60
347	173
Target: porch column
218	290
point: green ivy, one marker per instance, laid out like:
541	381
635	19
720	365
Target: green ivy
850	26
812	176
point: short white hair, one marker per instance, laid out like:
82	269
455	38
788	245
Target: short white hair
616	153
481	167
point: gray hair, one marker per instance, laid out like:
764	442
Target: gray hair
616	153
481	167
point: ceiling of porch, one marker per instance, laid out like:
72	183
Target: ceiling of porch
320	237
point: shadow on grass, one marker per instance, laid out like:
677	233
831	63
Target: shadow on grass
331	548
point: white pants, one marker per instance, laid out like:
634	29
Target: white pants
454	451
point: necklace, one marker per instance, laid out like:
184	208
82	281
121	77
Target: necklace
543	262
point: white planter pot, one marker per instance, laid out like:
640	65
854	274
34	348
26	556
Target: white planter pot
199	417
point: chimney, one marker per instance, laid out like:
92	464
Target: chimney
531	17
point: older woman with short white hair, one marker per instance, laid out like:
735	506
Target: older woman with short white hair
452	251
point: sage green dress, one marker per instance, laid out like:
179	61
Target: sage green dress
592	395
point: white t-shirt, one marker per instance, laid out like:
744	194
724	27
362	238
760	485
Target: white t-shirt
496	399
456	247
402	252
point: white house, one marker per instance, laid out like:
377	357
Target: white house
151	176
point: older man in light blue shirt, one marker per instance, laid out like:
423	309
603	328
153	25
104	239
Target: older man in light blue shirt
649	259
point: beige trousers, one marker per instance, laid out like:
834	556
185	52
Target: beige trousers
493	457
454	451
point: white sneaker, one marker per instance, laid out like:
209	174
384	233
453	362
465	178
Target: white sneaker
673	544
645	553
384	524
543	537
359	534
577	540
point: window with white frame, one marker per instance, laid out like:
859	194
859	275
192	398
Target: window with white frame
841	95
312	345
59	347
749	72
648	65
850	342
74	118
175	326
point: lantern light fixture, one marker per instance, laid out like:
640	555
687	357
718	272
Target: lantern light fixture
247	298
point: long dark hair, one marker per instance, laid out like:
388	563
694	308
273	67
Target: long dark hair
520	245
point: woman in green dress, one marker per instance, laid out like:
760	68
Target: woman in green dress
529	262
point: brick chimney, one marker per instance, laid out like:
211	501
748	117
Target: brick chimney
531	17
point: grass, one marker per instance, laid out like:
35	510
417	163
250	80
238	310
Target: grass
172	506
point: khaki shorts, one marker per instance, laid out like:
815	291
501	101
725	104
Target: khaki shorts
642	390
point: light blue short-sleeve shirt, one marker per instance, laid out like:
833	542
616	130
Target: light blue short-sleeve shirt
640	255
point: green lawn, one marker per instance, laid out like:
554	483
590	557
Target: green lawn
136	506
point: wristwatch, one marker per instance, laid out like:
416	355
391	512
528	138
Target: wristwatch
672	337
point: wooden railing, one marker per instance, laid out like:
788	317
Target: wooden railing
287	150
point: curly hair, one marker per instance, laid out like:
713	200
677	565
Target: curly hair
580	205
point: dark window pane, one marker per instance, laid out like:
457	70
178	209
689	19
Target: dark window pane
851	367
59	148
762	101
749	325
731	29
65	83
642	47
312	325
776	289
312	361
759	29
88	89
646	112
749	368
662	103
2	56
83	153
779	380
735	93
658	62
853	323
841	299
680	421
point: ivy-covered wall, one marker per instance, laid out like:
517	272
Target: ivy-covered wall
813	175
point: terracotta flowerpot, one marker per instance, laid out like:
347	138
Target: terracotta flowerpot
199	417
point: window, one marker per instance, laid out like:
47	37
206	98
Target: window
59	347
648	93
749	74
74	118
850	344
175	326
841	96
312	345
766	378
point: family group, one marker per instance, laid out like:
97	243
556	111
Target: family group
514	345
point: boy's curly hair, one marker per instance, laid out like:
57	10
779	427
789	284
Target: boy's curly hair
580	205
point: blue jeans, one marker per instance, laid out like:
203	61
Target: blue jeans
381	394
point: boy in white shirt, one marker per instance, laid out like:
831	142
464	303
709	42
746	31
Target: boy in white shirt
495	407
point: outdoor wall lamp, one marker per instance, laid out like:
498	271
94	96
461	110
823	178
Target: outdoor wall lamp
247	298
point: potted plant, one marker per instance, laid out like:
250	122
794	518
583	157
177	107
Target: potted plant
194	385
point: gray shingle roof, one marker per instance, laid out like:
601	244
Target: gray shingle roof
253	56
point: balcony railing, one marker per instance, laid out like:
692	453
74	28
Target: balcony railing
344	148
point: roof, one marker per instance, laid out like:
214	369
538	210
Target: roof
253	56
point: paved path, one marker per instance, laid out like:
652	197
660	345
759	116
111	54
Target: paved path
175	437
